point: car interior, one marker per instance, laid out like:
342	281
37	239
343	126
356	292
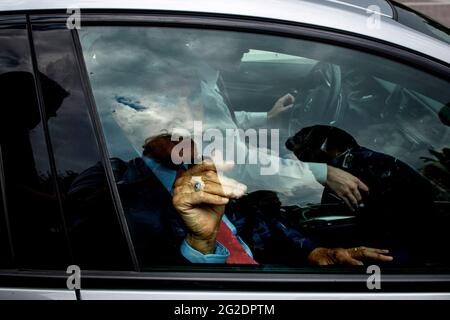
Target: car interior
384	114
386	107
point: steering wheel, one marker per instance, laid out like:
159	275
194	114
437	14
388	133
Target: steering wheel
320	102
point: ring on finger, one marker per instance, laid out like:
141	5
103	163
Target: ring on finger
197	183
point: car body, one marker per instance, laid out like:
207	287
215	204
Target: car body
61	57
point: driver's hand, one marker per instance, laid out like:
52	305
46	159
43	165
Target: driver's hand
349	257
283	104
346	186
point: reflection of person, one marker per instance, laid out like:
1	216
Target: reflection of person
25	116
27	186
202	209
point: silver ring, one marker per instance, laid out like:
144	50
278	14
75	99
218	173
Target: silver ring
197	183
198	186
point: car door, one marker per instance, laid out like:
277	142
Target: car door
148	79
95	127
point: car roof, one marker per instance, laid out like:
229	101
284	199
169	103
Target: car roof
346	15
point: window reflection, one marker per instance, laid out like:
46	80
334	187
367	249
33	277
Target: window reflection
327	104
36	227
95	233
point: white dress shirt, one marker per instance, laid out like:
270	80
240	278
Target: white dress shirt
293	177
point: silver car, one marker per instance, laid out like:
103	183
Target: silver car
364	89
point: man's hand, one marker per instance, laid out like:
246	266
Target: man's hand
283	104
202	210
350	257
346	186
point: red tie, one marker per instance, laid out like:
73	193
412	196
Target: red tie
238	255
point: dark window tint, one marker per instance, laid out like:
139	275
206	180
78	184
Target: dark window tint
95	233
32	205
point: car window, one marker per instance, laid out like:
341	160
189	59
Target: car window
96	236
44	202
267	57
311	127
32	207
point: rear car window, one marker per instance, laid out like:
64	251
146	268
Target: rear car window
36	226
101	244
47	143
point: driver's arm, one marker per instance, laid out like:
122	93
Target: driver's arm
342	183
252	120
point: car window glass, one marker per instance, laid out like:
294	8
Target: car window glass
95	233
32	205
267	57
291	114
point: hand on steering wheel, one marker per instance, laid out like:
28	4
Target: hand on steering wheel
280	107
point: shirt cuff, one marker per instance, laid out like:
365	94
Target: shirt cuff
257	119
220	254
319	171
251	120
